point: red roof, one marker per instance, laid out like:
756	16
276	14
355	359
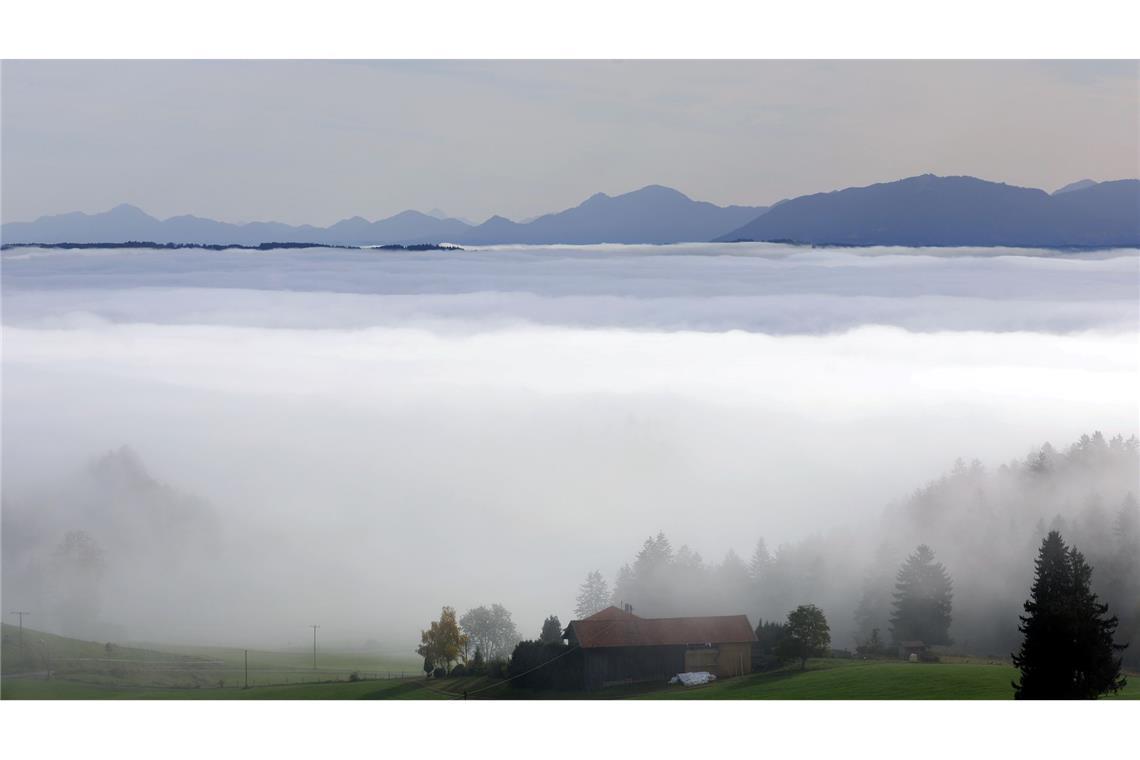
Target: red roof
611	613
613	627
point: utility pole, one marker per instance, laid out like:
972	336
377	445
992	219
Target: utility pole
314	627
246	656
20	614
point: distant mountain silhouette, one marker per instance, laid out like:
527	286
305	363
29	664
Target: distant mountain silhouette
653	214
439	213
1080	184
924	210
130	223
931	210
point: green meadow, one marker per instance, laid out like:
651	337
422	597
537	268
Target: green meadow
45	666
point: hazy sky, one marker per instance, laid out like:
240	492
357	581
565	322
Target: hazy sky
305	141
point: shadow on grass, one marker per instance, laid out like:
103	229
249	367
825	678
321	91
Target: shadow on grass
395	692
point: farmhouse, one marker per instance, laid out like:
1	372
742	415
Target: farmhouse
620	647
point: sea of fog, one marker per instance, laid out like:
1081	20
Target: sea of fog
381	433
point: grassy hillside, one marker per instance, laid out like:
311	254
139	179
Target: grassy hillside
36	652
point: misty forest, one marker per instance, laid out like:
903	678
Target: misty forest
987	525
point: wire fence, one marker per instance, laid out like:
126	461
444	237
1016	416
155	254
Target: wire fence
197	674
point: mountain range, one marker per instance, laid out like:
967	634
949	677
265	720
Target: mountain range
926	210
653	214
938	211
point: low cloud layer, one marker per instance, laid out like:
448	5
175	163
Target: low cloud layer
380	437
755	287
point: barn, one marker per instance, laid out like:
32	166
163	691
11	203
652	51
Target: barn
620	647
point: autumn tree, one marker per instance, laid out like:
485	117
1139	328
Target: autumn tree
443	643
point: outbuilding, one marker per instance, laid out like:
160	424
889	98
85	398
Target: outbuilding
620	647
912	649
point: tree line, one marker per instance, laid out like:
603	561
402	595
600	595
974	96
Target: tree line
1067	644
987	523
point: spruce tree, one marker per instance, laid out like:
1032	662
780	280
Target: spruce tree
922	600
551	631
1067	651
1044	670
593	596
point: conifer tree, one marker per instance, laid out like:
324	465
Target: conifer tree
593	596
922	600
1068	650
551	631
761	561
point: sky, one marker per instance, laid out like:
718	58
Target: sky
318	141
379	435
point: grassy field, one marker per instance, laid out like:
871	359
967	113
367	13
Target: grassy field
30	688
846	679
53	667
185	667
288	667
824	679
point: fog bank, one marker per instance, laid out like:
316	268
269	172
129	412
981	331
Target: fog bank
355	439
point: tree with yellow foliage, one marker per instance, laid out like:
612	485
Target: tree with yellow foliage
443	643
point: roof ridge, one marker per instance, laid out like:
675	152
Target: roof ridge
699	617
635	631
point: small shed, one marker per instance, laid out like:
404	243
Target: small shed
908	648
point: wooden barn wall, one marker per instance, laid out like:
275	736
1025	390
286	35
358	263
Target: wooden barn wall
611	665
734	660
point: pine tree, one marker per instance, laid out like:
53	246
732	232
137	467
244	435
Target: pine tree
761	561
593	596
656	553
648	584
1067	651
922	600
551	631
1098	667
769	635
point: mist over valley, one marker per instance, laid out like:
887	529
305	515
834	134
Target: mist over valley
226	447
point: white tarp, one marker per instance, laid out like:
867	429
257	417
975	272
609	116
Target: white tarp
693	679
